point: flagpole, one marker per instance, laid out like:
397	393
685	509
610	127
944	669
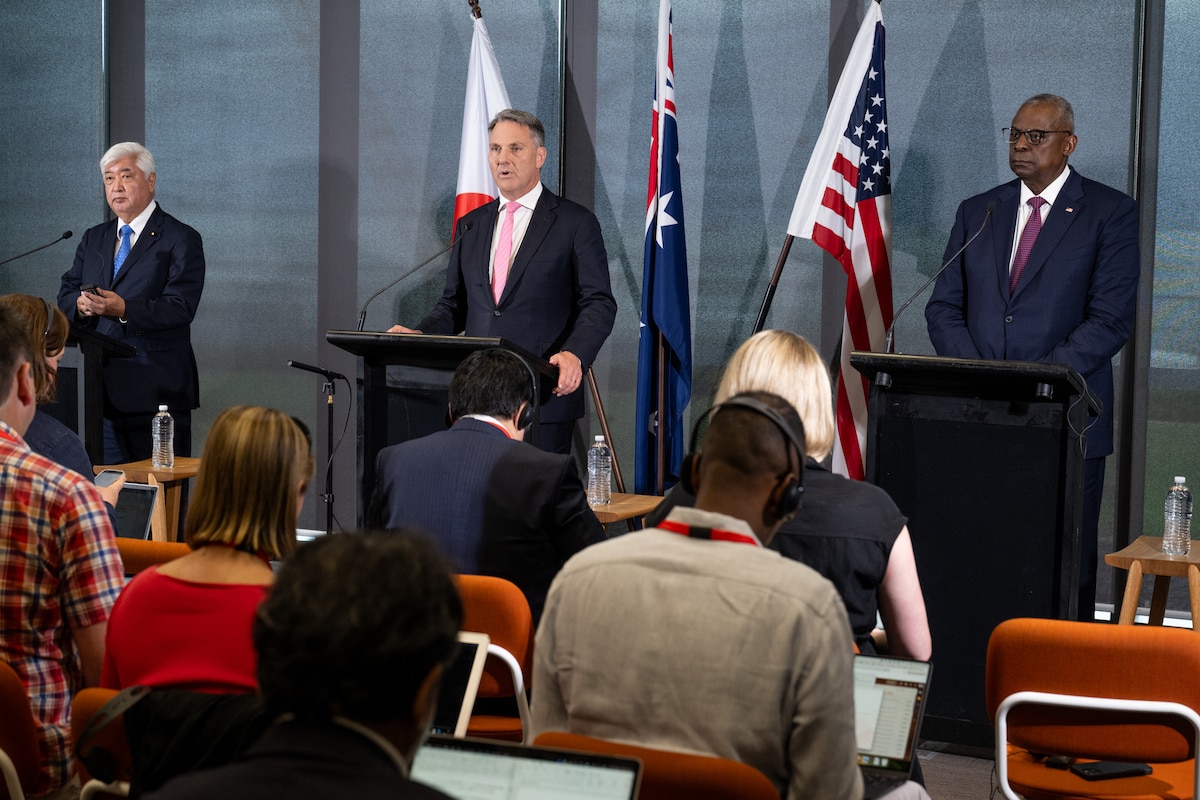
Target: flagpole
773	285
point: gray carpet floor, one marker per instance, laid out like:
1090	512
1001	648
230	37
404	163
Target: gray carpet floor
955	775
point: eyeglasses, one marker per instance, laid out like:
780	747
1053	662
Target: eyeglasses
1033	137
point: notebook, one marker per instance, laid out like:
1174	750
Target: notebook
475	769
889	701
460	683
135	506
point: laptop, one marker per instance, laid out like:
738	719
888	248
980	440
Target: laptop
460	684
889	702
477	769
135	507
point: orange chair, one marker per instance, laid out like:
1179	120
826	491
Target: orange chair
138	554
669	776
19	758
1093	691
498	608
111	739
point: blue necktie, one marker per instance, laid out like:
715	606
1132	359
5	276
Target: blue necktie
123	250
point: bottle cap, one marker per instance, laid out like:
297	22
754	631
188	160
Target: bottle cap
599	437
162	408
1180	479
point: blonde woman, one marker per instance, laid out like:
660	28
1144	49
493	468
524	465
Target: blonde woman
186	624
849	531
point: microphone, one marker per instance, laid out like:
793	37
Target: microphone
329	374
66	235
890	339
362	315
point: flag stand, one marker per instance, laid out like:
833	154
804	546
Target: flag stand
773	285
595	389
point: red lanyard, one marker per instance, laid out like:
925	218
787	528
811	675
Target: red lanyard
716	534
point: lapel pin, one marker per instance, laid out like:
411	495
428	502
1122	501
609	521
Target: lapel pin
1069	209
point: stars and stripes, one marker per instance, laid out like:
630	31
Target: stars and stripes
844	206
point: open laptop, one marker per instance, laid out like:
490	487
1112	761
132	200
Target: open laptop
476	769
135	507
889	702
460	684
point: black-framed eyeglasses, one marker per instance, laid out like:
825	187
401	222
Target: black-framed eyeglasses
1033	137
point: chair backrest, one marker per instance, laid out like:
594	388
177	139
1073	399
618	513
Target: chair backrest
1095	660
667	775
111	738
498	608
138	554
18	732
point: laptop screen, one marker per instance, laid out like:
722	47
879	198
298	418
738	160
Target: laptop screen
460	684
135	506
473	769
889	697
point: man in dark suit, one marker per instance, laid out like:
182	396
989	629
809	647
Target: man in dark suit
1052	278
550	293
494	504
147	270
352	642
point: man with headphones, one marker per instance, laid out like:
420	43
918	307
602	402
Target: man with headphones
693	636
495	504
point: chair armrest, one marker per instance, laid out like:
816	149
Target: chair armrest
518	680
1080	701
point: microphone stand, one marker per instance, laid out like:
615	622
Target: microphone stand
328	388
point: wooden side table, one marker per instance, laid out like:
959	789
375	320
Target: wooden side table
626	506
170	478
1144	556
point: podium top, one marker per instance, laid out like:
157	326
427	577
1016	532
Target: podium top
430	350
1018	380
98	342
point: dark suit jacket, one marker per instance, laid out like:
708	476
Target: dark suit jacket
1075	302
298	760
161	282
557	296
495	506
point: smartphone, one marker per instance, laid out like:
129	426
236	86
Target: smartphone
108	477
90	287
1103	770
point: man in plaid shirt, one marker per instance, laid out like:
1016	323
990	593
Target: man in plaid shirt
60	571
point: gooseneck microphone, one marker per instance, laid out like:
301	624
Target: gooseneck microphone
890	339
66	235
329	374
362	315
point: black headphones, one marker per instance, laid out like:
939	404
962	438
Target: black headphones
49	317
789	487
525	418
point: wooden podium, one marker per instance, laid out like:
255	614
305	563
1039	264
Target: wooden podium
985	458
428	363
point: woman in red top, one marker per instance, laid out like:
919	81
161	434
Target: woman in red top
186	624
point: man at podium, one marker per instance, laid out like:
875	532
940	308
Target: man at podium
530	267
1052	278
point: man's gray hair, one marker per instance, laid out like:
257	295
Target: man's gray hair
1065	112
145	161
536	129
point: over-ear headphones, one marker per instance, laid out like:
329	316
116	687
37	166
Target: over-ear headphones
789	488
525	418
49	317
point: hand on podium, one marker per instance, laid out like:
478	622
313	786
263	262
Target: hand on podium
401	329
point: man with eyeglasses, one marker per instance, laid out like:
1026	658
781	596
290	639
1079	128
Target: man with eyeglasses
1052	277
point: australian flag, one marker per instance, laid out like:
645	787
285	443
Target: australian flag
665	338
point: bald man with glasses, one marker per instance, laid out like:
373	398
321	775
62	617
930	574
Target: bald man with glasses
1053	277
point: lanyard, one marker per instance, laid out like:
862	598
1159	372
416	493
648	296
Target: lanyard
715	534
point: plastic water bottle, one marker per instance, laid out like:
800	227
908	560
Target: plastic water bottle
163	428
599	473
1177	520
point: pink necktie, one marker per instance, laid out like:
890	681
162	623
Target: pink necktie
503	251
1032	228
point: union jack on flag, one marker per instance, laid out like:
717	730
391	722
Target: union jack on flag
845	207
665	302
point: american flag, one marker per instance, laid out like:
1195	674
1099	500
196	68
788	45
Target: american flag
845	207
665	307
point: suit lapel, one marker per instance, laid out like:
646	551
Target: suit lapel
1067	207
147	239
106	255
1002	239
544	214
